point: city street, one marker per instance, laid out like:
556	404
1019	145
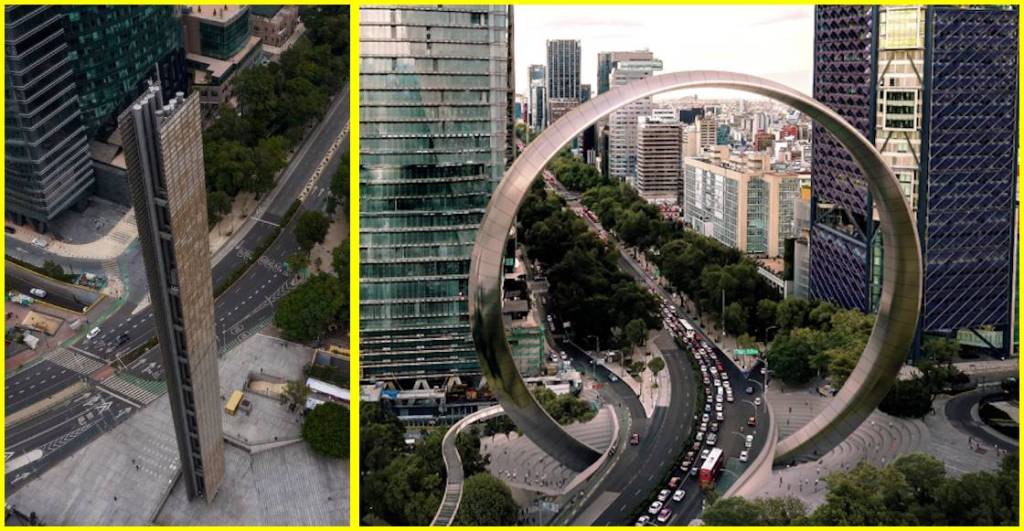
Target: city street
642	470
245	308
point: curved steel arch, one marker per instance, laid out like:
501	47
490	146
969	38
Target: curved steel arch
898	307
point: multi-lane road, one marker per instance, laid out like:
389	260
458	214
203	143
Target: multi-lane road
244	308
641	470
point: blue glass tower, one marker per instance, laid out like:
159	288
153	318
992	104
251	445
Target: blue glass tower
935	88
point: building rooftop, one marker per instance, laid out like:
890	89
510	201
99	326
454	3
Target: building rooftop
216	68
265	11
221	14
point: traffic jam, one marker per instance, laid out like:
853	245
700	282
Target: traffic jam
703	461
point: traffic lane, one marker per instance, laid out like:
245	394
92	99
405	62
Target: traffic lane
57	293
106	412
32	254
330	127
36	430
958	411
36	383
671	428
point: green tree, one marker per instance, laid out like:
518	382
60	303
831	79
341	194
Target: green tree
636	333
735	319
270	155
941	350
731	511
311	228
473	462
340	260
53	270
297	261
218	203
486	501
908	398
310	309
229	166
295	392
326	430
656	365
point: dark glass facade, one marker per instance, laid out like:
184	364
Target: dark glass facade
46	164
116	51
224	41
436	94
963	189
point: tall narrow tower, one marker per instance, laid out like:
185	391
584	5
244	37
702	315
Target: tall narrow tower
164	154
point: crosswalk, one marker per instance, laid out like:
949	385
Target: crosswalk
135	389
74	361
111	268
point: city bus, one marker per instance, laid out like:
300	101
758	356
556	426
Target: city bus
711	468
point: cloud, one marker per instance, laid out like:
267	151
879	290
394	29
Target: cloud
790	14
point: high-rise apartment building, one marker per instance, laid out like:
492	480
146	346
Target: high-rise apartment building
46	162
935	88
436	90
538	102
622	122
659	160
163	150
738	200
606	62
563	81
116	51
707	131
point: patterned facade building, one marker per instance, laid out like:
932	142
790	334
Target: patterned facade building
935	88
163	150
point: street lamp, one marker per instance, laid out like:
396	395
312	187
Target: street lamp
766	334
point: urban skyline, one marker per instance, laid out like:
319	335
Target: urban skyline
678	237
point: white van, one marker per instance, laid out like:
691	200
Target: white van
93	333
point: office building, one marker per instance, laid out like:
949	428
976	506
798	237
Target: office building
606	62
538	80
659	156
935	88
219	43
563	78
115	52
707	131
737	199
46	161
432	148
163	150
622	122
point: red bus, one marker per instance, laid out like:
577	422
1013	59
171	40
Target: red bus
711	468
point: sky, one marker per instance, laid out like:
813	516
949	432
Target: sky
775	42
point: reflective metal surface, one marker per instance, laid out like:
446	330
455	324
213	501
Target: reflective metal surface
891	336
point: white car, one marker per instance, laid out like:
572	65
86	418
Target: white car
655	507
718	406
700	436
664	494
749	441
643	520
719	416
744	456
565	357
757	401
679	495
704	454
38	293
40	242
93	333
705	418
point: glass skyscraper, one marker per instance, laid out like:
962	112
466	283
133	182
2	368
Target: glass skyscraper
46	163
116	51
935	88
436	95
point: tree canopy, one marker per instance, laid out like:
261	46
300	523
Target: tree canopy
325	428
311	308
486	501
